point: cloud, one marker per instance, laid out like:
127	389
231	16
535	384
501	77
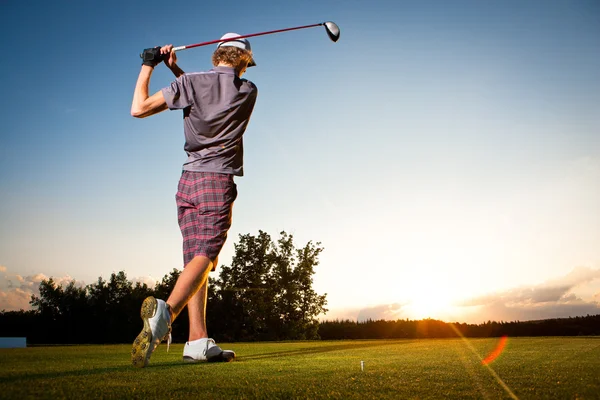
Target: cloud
556	290
500	311
555	298
148	280
375	313
14	300
578	276
16	290
384	311
552	299
339	314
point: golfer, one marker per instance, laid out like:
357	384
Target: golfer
217	106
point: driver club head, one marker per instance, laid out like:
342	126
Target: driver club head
333	31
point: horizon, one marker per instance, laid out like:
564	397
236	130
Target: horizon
384	312
447	156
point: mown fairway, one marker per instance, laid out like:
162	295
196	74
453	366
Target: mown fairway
528	368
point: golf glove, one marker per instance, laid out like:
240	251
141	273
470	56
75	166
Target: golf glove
152	56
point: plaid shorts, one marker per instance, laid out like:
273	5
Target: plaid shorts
204	205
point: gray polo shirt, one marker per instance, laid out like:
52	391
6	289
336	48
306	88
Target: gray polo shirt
216	106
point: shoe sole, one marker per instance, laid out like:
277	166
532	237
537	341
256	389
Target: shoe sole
141	352
223	356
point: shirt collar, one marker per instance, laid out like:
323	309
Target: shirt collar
225	70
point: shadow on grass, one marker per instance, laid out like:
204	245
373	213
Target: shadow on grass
86	372
323	349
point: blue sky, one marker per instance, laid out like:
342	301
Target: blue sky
446	154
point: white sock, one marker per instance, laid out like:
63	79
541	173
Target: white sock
197	341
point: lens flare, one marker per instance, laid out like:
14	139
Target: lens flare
487	366
496	352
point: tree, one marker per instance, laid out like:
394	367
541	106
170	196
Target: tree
310	303
266	293
162	290
102	312
113	307
240	303
59	309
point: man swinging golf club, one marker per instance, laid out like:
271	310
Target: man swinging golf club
217	106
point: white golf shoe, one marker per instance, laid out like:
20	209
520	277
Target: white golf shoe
157	327
205	350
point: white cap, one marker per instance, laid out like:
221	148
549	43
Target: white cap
241	43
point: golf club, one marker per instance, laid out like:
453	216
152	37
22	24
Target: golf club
333	31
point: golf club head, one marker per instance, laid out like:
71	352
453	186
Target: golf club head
333	31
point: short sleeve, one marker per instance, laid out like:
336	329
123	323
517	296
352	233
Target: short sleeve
179	94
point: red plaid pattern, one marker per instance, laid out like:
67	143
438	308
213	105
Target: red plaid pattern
204	205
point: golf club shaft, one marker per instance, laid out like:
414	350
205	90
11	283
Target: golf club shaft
190	46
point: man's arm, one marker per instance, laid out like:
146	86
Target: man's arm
171	61
175	68
144	105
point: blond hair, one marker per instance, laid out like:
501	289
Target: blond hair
232	56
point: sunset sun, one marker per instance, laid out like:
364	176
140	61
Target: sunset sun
432	300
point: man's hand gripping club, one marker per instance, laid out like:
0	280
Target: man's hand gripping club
155	55
144	105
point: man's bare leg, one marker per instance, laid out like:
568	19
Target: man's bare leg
197	313
192	289
189	283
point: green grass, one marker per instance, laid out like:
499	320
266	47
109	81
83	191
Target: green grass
528	368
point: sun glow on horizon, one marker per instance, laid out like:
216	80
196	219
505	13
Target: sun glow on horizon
433	299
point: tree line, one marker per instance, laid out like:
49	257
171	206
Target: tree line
266	294
430	328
